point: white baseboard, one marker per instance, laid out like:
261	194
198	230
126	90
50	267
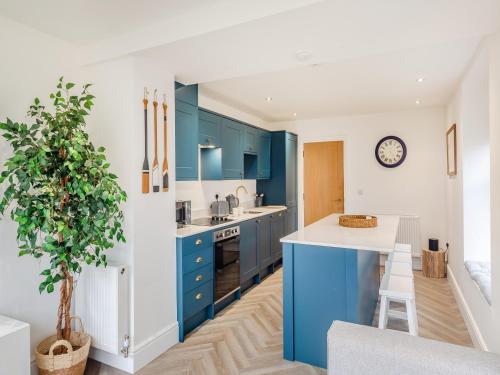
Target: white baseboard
141	354
149	349
470	322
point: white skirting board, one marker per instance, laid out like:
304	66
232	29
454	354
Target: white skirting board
142	354
470	322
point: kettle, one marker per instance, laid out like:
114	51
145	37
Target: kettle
232	201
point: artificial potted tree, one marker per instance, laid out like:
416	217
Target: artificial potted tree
58	189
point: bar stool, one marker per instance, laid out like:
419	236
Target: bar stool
402	248
396	256
398	269
395	288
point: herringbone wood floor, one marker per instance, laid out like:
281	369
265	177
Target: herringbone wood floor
246	338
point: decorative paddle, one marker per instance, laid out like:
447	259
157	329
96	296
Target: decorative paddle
156	165
165	161
145	164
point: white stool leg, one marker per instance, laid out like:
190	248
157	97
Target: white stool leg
412	317
383	316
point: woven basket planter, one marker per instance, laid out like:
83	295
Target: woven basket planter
358	221
73	362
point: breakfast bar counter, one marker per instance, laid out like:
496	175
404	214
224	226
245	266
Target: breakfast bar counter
330	273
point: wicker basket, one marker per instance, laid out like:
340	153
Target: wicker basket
358	221
71	363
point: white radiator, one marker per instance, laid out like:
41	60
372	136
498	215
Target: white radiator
101	300
409	232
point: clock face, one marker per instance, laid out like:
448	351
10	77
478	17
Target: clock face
390	151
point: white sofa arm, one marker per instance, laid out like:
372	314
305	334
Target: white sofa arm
359	350
14	347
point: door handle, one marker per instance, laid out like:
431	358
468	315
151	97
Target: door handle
198	242
199	278
199	296
199	259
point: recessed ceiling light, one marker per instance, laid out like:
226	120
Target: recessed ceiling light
268	99
303	55
420	79
295	114
417	102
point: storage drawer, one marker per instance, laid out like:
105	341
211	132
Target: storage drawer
197	260
196	278
193	243
198	299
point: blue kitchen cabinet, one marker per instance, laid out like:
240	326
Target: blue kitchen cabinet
232	153
186	141
291	220
277	221
264	242
250	139
195	285
263	155
281	188
209	128
186	93
249	256
291	169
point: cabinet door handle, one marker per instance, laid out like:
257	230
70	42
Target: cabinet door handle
198	242
257	221
199	278
199	259
199	296
279	214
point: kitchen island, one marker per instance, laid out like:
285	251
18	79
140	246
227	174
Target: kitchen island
330	273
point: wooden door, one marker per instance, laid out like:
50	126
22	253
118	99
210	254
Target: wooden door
323	180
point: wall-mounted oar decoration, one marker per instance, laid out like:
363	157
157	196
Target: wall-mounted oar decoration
156	165
165	160
145	164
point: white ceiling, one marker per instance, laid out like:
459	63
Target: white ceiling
378	83
369	52
89	21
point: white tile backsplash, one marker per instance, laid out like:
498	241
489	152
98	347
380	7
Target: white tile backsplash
202	193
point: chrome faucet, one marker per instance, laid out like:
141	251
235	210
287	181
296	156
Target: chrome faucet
238	189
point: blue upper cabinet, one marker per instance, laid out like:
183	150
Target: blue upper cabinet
210	128
251	139
281	188
291	169
186	141
186	94
263	155
232	153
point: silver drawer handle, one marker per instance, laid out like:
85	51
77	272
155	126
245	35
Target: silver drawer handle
199	296
199	259
199	278
198	242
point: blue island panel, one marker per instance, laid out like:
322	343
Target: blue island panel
320	285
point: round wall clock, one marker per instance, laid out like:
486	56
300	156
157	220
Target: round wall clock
390	151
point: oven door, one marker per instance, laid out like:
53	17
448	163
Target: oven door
227	267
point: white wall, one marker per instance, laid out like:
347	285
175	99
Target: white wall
31	64
118	124
417	187
476	102
474	129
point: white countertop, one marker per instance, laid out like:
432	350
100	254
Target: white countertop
328	232
190	230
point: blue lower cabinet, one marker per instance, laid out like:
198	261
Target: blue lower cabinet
264	242
249	256
195	281
277	233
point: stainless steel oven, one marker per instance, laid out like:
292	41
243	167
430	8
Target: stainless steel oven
227	262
